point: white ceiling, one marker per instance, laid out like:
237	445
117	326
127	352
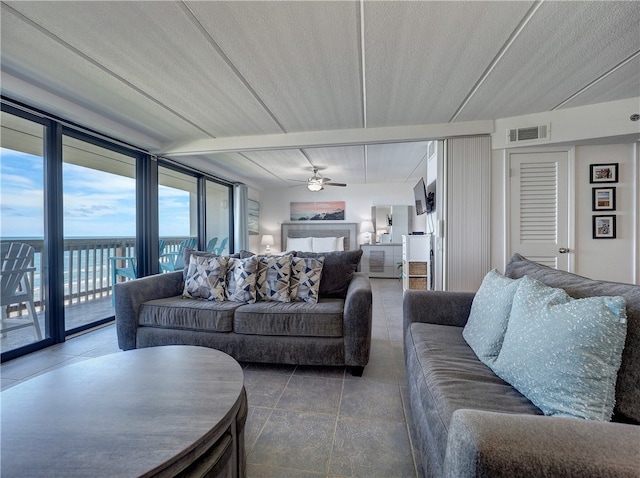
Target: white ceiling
162	75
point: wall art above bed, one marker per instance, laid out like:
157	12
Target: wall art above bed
318	211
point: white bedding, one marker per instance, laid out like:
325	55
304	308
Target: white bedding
315	244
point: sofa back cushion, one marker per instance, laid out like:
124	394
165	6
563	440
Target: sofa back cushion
627	406
337	271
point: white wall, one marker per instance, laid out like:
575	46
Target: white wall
358	198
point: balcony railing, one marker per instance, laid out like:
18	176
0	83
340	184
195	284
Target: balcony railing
87	267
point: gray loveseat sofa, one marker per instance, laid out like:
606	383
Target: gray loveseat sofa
468	422
336	330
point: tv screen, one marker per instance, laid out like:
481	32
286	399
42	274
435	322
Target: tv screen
420	195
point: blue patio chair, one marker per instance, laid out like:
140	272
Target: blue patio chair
125	266
220	249
211	245
174	260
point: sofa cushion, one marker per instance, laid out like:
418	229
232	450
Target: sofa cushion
305	278
487	324
205	278
323	319
337	271
241	279
563	353
627	406
191	314
447	376
274	276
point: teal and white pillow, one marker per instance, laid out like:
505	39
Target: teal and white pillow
205	278
241	279
274	276
305	278
489	316
563	354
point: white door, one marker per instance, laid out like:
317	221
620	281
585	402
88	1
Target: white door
539	202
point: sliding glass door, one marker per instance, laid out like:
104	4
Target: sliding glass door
99	188
22	233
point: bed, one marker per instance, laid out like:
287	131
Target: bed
302	236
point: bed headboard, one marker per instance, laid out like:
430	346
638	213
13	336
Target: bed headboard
348	230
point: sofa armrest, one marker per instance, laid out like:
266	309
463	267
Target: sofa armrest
436	307
357	321
130	295
506	445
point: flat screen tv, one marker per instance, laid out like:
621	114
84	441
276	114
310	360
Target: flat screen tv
420	196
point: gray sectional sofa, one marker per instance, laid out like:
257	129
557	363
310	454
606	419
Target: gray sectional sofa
468	422
336	330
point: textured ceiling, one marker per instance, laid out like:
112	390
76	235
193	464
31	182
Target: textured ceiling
159	73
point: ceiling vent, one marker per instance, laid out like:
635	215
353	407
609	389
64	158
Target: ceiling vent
531	133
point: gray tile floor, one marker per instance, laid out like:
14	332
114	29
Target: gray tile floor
303	421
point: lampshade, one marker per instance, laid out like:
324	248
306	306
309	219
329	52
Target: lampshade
366	226
267	240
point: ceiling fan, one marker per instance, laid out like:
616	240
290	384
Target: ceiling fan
317	182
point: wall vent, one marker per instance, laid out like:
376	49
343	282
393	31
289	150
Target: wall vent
531	133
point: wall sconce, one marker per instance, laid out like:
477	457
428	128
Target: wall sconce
267	240
367	227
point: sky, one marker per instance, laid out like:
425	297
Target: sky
96	203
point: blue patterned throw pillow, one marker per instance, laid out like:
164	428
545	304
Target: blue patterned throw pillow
274	275
205	278
241	279
489	316
563	354
305	278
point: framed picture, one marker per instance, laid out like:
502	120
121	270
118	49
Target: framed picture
317	211
603	199
604	173
253	215
604	227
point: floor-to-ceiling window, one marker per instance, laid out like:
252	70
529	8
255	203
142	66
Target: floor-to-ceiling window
177	216
217	206
99	198
22	231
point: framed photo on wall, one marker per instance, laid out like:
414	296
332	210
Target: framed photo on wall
604	173
603	199
253	217
604	227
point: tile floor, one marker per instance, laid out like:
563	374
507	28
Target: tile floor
303	421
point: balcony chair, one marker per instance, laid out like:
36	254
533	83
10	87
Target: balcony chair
15	286
220	249
125	266
211	245
174	260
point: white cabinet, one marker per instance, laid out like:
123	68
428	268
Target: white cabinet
416	262
381	260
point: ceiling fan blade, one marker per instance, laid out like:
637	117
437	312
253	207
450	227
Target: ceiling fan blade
341	185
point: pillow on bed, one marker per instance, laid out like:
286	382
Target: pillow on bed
299	244
323	244
339	243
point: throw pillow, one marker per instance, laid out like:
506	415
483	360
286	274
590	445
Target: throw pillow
205	278
274	275
305	278
241	279
489	316
563	354
337	271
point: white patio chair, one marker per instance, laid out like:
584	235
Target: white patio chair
15	287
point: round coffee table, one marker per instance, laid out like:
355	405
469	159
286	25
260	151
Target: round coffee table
159	411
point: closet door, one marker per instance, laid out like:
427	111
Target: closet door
540	216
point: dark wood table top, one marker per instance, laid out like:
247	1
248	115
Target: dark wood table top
134	413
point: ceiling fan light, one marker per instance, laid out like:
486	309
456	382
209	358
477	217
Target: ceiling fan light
315	185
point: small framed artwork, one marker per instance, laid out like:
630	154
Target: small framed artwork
603	199
604	173
253	217
604	227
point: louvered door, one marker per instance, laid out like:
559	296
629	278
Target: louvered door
539	191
